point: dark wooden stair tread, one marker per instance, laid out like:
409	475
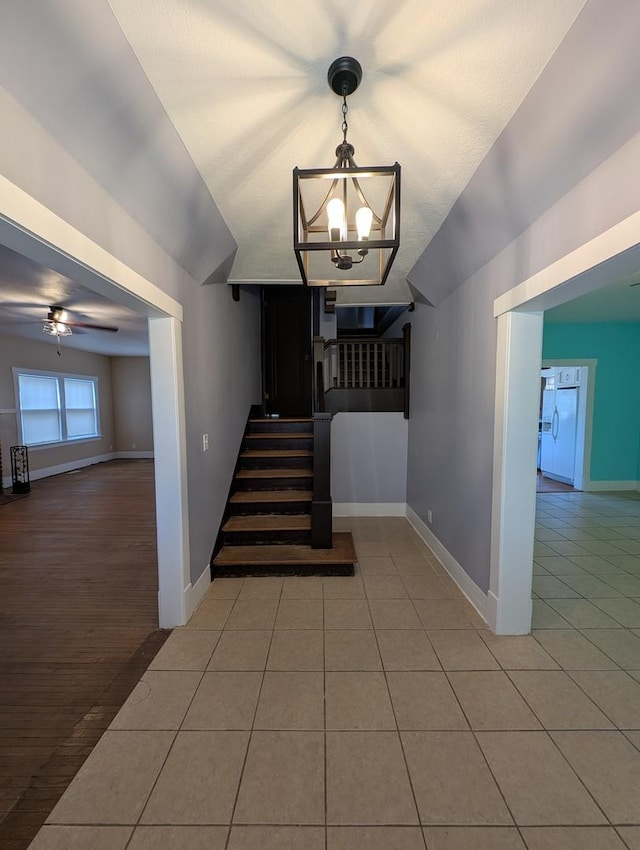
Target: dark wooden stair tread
304	472
280	419
343	552
269	522
256	453
272	496
279	435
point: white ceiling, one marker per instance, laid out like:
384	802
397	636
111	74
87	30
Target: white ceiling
27	290
618	303
245	84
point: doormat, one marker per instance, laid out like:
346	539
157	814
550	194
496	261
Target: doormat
7	498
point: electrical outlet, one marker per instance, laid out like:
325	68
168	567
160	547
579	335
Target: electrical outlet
205	442
110	448
133	445
429	517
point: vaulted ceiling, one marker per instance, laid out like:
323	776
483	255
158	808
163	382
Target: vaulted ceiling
244	83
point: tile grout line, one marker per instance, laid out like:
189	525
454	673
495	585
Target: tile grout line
185	714
397	730
251	730
482	754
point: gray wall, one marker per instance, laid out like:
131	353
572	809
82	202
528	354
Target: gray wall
369	458
565	169
27	354
91	142
68	64
133	426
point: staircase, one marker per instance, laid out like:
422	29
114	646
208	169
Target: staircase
268	526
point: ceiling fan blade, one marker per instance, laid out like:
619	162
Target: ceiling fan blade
637	283
57	314
107	328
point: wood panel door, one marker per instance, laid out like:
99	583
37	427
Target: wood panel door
286	350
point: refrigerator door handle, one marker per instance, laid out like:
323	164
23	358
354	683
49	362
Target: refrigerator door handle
555	424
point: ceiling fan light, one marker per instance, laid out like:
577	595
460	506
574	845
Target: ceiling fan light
56	328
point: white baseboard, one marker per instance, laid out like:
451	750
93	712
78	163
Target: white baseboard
478	598
603	486
133	455
369	509
193	593
61	468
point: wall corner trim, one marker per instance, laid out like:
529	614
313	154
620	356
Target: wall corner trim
193	593
477	597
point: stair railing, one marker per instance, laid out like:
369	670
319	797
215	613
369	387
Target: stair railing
354	363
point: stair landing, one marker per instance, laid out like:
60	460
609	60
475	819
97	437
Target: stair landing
283	560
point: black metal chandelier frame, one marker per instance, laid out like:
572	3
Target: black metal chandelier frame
344	77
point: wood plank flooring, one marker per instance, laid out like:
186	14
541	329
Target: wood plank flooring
78	627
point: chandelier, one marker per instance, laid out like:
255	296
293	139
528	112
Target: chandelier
346	221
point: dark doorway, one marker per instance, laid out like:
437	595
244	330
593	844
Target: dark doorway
286	350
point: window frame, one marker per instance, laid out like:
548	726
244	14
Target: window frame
62	408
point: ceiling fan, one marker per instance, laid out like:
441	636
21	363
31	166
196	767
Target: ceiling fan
58	323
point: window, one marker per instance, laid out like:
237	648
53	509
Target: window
56	408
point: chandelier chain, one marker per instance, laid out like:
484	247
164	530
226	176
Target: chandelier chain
345	109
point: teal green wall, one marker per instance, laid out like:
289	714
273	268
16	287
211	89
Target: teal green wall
615	446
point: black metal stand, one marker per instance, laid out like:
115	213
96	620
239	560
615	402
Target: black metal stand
20	469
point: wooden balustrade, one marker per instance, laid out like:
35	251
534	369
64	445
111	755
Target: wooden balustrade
353	363
352	373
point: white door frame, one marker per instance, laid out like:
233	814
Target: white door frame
31	229
605	260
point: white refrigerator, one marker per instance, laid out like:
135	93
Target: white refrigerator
558	433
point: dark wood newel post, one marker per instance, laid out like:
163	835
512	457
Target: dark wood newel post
406	333
321	506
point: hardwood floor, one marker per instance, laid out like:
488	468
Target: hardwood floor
549	485
78	627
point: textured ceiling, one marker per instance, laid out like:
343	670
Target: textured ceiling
27	290
244	83
617	303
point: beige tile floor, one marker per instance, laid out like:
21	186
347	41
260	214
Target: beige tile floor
378	712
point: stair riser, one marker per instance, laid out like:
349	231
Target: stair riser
280	426
267	442
249	509
246	484
267	538
284	570
269	462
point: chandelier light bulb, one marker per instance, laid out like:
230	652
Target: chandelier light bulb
364	220
335	216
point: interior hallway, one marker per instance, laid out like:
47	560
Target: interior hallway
367	712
